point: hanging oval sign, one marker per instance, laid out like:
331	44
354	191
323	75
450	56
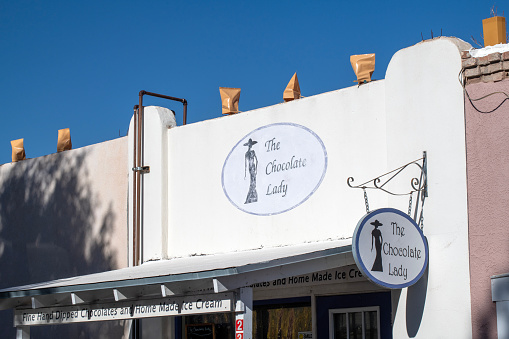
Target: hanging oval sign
389	248
274	169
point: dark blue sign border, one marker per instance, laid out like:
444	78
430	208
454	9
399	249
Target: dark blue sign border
364	269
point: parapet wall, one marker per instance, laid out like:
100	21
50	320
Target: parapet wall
488	68
63	215
66	211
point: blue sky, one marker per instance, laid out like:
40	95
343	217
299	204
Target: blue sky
80	65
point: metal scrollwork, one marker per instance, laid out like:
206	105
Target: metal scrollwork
418	185
380	182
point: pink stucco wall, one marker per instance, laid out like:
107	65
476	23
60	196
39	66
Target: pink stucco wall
487	140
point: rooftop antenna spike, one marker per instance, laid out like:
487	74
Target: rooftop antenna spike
431	34
476	42
422	38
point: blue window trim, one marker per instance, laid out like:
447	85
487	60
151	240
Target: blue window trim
380	299
268	302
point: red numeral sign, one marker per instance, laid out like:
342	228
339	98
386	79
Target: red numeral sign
239	326
239	336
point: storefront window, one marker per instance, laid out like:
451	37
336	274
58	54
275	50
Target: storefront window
209	326
355	323
282	321
274	321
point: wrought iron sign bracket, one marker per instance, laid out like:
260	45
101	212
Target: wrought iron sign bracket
418	185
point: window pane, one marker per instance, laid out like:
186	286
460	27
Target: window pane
224	324
340	326
281	322
355	325
371	325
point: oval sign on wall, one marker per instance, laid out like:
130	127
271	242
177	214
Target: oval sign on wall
389	248
274	169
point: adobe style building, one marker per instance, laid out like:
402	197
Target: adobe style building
251	225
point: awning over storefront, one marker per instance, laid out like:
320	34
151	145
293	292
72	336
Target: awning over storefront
195	275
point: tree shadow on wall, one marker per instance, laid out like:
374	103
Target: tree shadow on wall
47	231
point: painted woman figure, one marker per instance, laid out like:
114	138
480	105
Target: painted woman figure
376	237
251	162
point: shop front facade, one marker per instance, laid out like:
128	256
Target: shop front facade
247	222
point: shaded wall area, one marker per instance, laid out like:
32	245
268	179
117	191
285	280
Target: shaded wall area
63	215
487	140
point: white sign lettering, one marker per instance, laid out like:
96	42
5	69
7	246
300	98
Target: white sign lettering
390	248
273	169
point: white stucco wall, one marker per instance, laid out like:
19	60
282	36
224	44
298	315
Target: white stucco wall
63	215
367	131
202	219
154	215
425	112
72	203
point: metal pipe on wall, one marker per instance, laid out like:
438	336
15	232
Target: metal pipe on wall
183	101
137	167
138	180
135	196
